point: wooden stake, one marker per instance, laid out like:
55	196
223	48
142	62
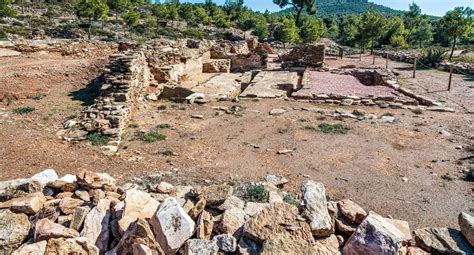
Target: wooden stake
386	61
414	68
450	77
373	62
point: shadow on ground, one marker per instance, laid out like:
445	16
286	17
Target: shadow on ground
88	94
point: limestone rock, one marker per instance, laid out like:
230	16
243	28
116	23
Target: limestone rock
232	220
197	209
442	241
216	194
404	227
78	217
172	225
315	208
45	177
32	249
14	229
466	224
138	232
282	245
232	202
30	204
276	180
328	245
68	204
96	225
82	194
71	246
278	220
18	188
252	208
138	205
352	211
277	112
46	229
375	235
95	180
200	247
226	242
165	188
205	226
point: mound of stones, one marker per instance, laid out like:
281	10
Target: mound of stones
90	213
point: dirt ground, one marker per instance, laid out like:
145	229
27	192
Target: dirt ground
368	164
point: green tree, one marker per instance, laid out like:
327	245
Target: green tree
299	6
412	16
423	33
186	12
332	30
119	6
372	27
131	18
261	28
221	19
234	8
202	16
92	10
457	24
5	8
286	31
312	30
398	41
348	30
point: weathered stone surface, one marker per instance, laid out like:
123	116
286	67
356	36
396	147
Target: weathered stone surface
352	211
45	177
375	235
14	229
304	55
282	245
216	194
165	188
96	225
138	205
65	183
95	180
231	222
138	232
226	242
221	87
205	226
442	241
200	247
252	208
38	248
404	228
232	202
416	251
328	246
78	217
46	229
30	204
271	85
315	208
197	209
172	225
283	221
277	112
68	204
216	66
65	246
275	180
18	188
466	224
82	194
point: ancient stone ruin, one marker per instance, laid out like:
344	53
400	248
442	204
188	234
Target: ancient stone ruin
90	213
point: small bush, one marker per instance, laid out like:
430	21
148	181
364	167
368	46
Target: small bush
36	97
151	137
167	153
333	128
162	107
23	110
133	125
255	193
97	139
448	177
309	127
417	111
163	126
290	200
433	56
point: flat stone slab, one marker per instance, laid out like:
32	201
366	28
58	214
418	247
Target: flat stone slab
271	84
225	86
8	53
325	83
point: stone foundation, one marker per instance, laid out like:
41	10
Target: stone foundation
304	55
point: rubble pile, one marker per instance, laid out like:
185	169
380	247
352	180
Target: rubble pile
126	78
304	55
89	213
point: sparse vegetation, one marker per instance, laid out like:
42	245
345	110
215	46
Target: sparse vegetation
255	193
36	97
163	126
417	111
309	127
151	137
162	107
133	125
333	128
290	200
23	110
167	153
448	177
97	139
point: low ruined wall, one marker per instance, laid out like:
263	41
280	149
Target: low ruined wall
304	55
126	77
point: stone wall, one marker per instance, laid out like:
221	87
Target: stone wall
304	55
126	77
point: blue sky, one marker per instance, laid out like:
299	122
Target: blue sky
432	7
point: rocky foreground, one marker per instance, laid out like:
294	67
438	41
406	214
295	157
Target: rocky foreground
90	214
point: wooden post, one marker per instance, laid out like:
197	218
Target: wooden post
386	61
414	68
450	77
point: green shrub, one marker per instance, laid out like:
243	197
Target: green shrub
36	97
255	193
162	107
290	200
448	177
163	126
167	153
151	137
417	111
97	139
23	110
433	56
333	128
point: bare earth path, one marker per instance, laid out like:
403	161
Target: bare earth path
366	165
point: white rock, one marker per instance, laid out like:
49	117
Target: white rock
276	112
70	123
226	242
138	205
32	249
96	225
172	225
466	224
315	208
200	247
45	177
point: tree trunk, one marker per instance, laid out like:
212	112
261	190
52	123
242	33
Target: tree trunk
298	16
372	48
116	16
452	50
89	30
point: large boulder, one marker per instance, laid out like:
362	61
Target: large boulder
46	229
14	229
71	246
375	235
442	241
137	205
466	223
172	225
96	225
30	204
200	247
315	208
18	188
45	177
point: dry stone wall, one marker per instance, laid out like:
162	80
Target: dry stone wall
304	55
